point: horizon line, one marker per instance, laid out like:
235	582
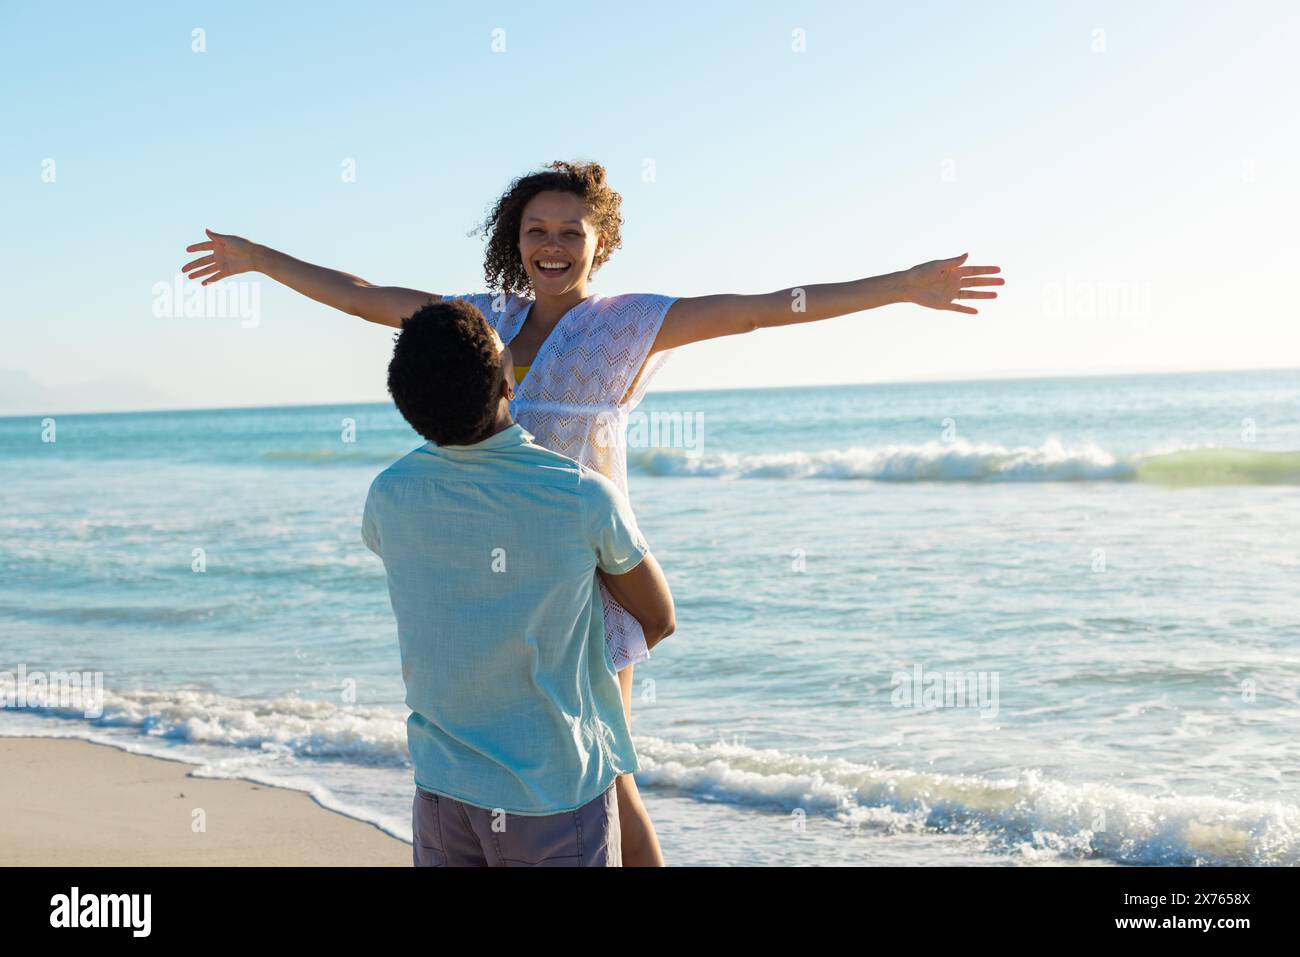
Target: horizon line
1011	376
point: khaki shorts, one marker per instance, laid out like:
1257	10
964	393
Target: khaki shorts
451	833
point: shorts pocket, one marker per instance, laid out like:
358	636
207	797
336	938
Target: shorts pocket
553	840
426	831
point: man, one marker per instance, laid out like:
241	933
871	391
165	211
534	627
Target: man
491	545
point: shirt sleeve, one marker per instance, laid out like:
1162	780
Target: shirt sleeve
611	526
633	322
369	527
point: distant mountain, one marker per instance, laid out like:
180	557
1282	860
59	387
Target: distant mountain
20	394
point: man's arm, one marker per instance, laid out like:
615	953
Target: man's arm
936	285
644	592
623	558
230	255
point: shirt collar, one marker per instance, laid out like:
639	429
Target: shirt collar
509	437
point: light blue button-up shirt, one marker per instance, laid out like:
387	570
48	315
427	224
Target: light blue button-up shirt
491	553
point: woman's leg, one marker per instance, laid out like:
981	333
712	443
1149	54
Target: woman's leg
640	843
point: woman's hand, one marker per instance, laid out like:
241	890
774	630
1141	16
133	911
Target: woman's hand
230	255
937	284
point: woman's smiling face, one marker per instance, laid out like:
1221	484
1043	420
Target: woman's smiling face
557	242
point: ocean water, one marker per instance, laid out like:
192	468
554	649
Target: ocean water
1106	569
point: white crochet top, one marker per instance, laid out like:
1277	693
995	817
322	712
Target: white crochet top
578	392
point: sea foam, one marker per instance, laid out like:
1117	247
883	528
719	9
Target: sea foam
1026	814
965	461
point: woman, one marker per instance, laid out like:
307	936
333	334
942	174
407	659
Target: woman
582	361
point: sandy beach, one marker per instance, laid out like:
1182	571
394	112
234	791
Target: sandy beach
66	803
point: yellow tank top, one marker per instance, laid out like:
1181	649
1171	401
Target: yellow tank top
520	372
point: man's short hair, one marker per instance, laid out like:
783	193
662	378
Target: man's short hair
445	373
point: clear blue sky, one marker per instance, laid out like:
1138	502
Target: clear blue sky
1141	198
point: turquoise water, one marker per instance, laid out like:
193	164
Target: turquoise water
1112	561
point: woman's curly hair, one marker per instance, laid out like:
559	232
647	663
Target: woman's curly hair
502	266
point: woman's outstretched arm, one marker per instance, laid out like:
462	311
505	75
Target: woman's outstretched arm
230	255
936	284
